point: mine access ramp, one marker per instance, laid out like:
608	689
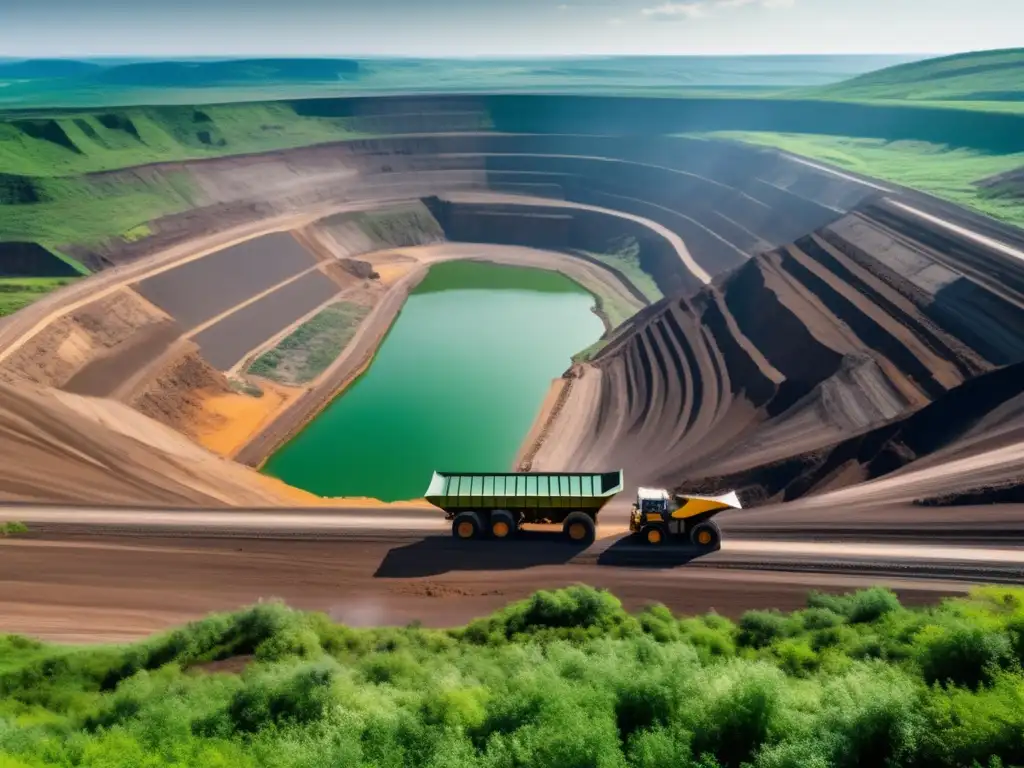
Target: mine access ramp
496	505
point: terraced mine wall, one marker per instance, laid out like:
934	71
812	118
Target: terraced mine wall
565	229
803	369
831	312
644	116
725	201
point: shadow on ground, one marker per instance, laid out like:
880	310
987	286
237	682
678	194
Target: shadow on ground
437	555
631	553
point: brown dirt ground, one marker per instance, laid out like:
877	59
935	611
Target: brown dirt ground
76	342
108	589
175	395
65	448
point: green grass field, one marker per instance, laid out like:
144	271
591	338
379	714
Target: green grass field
313	346
83	211
947	172
67	144
564	679
18	292
976	78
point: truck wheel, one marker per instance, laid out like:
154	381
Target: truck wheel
467	525
654	535
503	525
580	528
706	535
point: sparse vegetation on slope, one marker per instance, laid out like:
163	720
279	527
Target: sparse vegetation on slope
624	257
313	346
562	679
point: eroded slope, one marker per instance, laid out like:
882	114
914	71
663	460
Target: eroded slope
780	377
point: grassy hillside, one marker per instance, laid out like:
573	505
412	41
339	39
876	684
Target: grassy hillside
62	144
18	292
985	76
177	74
563	680
86	211
46	192
949	172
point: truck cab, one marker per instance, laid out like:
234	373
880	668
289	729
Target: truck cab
658	516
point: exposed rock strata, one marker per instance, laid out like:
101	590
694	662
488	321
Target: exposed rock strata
803	369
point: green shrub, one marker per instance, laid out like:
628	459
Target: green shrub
573	613
565	678
962	655
297	696
796	657
865	606
12	529
821	618
761	628
740	708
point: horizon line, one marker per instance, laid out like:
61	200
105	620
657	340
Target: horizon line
479	57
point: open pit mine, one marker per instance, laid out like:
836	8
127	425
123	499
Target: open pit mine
800	332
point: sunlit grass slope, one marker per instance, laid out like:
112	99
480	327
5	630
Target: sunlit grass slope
56	144
984	76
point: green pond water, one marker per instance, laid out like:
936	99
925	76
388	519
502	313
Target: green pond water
455	386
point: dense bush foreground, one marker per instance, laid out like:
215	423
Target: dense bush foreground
560	680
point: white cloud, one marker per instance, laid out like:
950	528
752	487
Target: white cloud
762	3
615	22
695	9
563	7
670	10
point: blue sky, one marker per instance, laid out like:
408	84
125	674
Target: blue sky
504	27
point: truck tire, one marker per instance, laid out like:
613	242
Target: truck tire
467	525
503	525
580	528
706	535
655	535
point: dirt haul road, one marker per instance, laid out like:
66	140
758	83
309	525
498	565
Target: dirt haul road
87	575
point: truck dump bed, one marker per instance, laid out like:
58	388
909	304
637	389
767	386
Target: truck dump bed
570	491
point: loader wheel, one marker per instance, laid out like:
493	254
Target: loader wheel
654	535
503	525
580	528
706	536
466	525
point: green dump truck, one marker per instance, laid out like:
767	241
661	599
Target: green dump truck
496	505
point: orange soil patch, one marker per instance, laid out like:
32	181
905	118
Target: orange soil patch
392	273
307	499
230	420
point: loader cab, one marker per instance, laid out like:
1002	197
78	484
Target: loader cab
652	501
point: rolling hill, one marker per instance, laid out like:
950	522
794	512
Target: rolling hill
982	76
